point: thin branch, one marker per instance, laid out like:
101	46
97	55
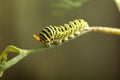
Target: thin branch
108	30
22	53
4	64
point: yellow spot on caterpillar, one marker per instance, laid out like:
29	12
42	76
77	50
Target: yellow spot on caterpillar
36	37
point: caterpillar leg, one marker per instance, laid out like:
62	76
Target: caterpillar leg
57	42
65	39
71	36
48	45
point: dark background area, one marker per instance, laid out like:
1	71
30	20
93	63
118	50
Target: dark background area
94	56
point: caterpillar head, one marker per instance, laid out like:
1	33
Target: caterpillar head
36	37
47	43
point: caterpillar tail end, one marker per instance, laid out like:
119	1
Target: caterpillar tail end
36	37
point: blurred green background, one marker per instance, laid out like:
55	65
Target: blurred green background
94	56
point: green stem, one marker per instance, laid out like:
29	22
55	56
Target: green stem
12	62
9	48
5	64
108	30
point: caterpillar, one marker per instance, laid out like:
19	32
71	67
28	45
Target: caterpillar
58	34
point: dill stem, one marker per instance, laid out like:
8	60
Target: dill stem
108	30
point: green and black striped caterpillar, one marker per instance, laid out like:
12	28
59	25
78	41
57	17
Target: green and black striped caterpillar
57	34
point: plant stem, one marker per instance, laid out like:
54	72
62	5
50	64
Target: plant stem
108	30
22	53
